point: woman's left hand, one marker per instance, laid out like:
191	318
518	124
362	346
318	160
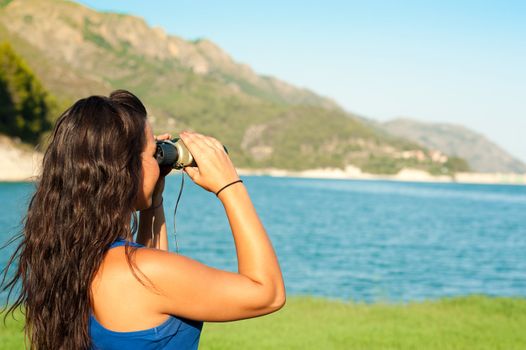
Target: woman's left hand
164	170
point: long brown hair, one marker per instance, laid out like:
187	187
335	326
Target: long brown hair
84	200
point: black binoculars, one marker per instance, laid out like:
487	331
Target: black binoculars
174	153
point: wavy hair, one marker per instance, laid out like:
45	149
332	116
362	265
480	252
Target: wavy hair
84	200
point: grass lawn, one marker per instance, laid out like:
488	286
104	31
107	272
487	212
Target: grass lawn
474	322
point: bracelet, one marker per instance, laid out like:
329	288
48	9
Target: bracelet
217	193
157	206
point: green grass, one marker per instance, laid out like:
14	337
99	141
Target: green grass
474	322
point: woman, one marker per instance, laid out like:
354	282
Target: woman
86	284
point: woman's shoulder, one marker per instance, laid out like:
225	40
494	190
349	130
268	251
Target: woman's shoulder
143	266
118	295
117	262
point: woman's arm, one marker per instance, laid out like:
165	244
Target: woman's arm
255	254
191	289
152	223
196	291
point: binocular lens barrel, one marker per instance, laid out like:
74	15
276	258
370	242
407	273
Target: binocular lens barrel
174	153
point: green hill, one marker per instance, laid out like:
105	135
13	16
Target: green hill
264	122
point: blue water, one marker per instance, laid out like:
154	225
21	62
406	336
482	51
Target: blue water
359	240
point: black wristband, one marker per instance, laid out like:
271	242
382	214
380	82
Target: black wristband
217	193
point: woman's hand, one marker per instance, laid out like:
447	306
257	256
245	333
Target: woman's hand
164	170
214	167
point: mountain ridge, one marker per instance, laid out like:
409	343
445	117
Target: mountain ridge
482	154
128	33
266	122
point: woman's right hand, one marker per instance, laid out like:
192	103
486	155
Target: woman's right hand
214	167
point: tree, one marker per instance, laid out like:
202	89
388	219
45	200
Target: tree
24	103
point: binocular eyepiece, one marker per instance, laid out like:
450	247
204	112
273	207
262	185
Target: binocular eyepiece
174	153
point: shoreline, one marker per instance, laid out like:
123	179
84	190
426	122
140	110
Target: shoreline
405	175
18	170
20	165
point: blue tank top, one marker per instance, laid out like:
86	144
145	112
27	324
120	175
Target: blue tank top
174	333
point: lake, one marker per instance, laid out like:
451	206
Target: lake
350	239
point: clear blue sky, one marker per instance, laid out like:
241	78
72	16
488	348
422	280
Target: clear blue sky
445	61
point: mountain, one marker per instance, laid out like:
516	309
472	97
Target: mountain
481	154
264	122
108	48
